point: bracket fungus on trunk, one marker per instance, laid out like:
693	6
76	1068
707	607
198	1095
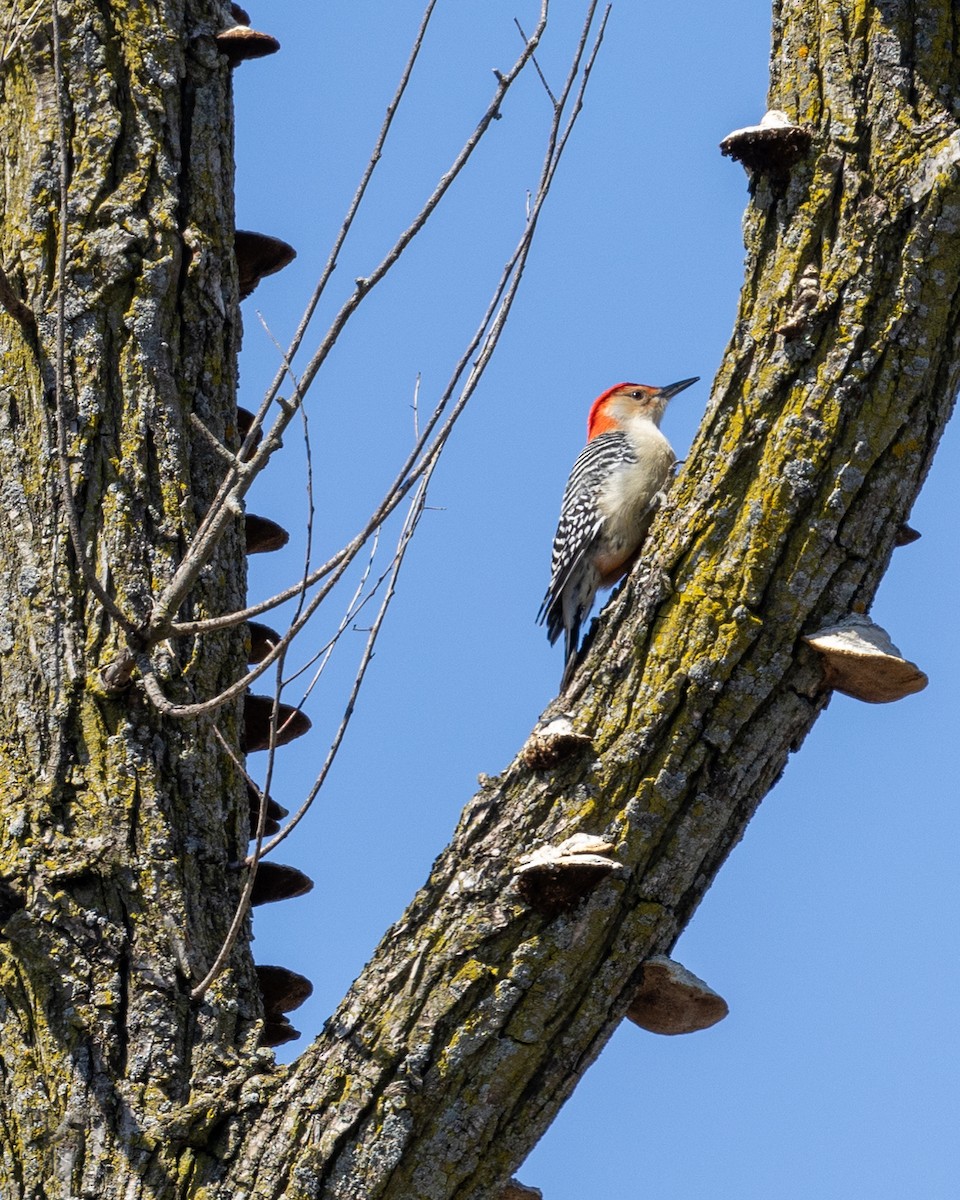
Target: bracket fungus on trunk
262	641
860	660
770	148
277	881
240	42
276	1031
673	1000
262	535
257	715
554	879
259	255
283	990
906	535
552	741
270	826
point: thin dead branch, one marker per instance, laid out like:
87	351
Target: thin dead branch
238	481
505	293
21	27
423	451
533	59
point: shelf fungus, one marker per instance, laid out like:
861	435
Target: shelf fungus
263	535
270	827
552	741
276	1031
906	534
245	419
262	641
282	990
673	1000
240	42
275	813
259	255
770	148
257	715
554	879
515	1190
275	881
860	660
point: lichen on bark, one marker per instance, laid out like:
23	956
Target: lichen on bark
120	903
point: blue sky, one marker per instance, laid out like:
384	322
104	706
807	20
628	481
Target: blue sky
831	930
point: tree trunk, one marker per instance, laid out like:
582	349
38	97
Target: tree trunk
480	1009
119	827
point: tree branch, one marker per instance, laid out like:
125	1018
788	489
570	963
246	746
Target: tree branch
459	1041
237	483
425	454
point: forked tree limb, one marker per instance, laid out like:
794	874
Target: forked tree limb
477	1015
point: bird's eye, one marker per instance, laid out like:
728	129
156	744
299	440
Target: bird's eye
636	395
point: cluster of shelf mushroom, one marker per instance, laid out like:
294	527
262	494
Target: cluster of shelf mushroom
259	255
554	880
857	658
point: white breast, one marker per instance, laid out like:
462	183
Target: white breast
627	496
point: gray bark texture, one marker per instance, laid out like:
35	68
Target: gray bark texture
480	1009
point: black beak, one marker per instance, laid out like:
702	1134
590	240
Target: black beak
672	388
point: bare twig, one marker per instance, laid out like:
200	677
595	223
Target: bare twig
23	27
505	293
238	481
423	451
533	57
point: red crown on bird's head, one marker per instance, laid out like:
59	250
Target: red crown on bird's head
600	421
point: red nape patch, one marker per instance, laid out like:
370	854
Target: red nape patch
598	422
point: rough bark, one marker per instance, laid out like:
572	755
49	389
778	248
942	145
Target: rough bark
116	893
477	1013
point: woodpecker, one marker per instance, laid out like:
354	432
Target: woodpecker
614	489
